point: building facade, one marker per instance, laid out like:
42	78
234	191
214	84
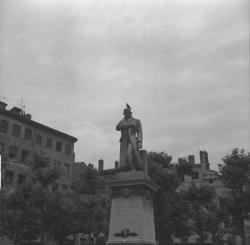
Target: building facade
203	175
21	138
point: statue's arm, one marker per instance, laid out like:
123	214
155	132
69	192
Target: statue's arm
121	125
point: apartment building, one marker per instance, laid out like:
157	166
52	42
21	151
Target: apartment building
21	138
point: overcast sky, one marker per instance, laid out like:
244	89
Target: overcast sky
182	65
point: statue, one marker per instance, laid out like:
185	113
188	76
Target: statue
130	141
132	191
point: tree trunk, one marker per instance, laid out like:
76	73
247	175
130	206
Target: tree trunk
43	237
202	238
242	232
214	240
16	239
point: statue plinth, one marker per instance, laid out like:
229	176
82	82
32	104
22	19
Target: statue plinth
132	216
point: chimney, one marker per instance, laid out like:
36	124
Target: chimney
191	159
100	165
116	164
28	116
16	110
206	156
206	160
3	105
202	156
182	160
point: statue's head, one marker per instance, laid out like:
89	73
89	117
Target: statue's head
127	111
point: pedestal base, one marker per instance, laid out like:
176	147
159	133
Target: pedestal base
132	218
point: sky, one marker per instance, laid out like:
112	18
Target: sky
183	66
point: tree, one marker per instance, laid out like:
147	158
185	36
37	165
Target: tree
161	158
217	216
235	174
201	203
92	202
90	181
32	210
173	218
91	213
171	211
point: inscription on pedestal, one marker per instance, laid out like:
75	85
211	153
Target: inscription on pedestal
132	216
126	213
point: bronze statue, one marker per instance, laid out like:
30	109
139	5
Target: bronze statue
130	141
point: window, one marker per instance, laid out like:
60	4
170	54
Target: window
27	134
57	165
4	155
67	150
58	146
210	181
49	143
65	187
16	130
4	126
9	177
12	151
39	139
24	155
67	168
21	178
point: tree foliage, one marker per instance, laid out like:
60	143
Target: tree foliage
235	174
201	203
161	158
170	211
32	210
181	212
234	170
92	202
90	182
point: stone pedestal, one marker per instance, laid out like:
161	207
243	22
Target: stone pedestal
132	217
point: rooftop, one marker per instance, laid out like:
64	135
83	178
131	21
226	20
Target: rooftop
15	113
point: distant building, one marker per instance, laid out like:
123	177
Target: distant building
78	169
108	174
203	175
21	138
